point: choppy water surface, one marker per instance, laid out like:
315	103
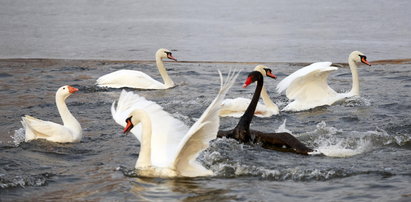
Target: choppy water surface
369	137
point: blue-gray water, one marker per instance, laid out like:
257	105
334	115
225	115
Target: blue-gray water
372	131
231	30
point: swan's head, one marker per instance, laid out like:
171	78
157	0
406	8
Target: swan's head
252	77
164	53
129	124
65	91
265	71
358	57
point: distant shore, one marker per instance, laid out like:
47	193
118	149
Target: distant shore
54	60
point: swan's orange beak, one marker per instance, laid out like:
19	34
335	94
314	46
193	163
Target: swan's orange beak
129	125
170	56
247	82
363	60
269	74
72	89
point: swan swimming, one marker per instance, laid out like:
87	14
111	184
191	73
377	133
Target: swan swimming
70	131
236	107
307	87
168	148
137	79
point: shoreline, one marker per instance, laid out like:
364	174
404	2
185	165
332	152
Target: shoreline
53	60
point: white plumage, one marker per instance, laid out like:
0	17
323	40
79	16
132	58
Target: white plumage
237	106
308	87
137	79
170	148
70	131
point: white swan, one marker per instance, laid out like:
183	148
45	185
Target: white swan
137	79
70	131
236	107
308	87
168	148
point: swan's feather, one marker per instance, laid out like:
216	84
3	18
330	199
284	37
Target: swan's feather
308	87
36	128
167	131
315	67
237	106
129	78
203	130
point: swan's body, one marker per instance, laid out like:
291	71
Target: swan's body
137	79
243	133
168	148
70	131
308	87
236	107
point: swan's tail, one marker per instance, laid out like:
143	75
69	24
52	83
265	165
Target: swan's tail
29	135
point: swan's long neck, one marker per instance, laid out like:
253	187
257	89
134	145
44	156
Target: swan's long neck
249	112
266	99
355	90
68	119
144	157
160	65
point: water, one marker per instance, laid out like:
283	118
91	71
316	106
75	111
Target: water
240	30
367	138
370	137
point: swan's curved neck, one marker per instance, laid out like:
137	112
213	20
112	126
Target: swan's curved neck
144	157
68	119
266	98
355	90
166	79
249	112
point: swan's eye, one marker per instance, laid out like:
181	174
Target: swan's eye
128	119
363	57
64	88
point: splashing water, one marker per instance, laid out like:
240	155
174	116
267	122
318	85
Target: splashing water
356	101
340	149
282	128
335	142
19	136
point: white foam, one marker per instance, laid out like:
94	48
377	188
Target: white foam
282	128
356	101
19	136
335	142
342	149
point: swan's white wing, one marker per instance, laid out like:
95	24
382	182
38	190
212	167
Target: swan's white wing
203	130
127	102
36	128
129	78
167	132
308	83
234	107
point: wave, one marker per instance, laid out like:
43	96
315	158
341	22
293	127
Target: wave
10	181
18	137
335	142
357	101
229	158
